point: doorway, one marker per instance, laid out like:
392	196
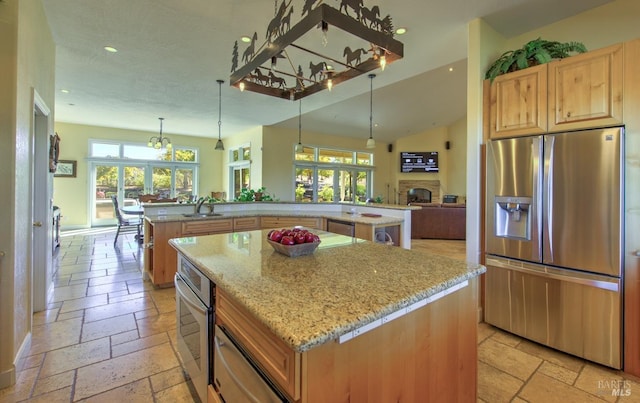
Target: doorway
41	208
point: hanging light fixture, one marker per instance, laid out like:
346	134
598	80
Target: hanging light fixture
159	142
219	145
299	147
283	40
371	143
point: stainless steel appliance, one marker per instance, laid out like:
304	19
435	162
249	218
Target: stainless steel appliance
237	378
554	240
195	297
341	227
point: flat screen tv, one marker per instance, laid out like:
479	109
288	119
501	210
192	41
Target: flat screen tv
419	161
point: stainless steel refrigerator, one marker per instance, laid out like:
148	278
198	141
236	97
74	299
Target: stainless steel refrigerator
554	229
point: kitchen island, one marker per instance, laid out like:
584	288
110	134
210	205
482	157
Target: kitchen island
355	321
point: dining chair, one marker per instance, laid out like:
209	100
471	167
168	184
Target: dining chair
125	222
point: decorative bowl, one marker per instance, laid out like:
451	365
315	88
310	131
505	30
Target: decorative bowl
301	249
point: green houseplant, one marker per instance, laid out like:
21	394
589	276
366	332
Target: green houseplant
535	52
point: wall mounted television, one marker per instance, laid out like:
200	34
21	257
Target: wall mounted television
419	161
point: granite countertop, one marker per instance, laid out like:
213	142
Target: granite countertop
356	218
309	300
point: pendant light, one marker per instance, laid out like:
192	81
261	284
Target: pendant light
159	142
219	145
299	147
371	143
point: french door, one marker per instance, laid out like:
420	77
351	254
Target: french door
127	181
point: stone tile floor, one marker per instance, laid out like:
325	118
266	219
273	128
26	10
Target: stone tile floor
107	335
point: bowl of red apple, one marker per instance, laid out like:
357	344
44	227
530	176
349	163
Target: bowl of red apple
293	242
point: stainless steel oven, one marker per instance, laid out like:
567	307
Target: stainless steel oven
195	296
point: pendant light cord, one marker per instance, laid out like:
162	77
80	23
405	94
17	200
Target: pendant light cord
300	121
371	76
219	108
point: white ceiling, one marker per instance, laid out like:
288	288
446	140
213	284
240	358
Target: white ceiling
171	53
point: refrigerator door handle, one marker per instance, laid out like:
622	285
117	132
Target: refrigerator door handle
590	280
548	202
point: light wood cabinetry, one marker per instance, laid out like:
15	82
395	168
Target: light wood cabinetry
383	233
424	355
212	395
518	103
161	259
578	92
205	227
585	91
277	359
289	222
246	223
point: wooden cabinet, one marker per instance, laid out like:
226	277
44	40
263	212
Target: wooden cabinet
161	259
289	222
246	223
205	227
278	360
578	92
518	104
385	233
585	91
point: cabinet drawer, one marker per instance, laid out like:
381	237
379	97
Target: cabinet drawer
288	222
278	360
246	223
206	227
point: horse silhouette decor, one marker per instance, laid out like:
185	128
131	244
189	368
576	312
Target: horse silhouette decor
284	38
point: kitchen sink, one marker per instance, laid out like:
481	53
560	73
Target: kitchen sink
201	215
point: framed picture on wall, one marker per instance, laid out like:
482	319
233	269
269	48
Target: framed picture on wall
66	169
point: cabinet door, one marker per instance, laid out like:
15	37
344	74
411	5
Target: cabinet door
518	104
163	265
201	227
585	91
289	222
246	223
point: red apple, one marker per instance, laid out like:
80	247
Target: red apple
308	237
299	237
287	240
316	238
276	236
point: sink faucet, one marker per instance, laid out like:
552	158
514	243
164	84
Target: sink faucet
200	203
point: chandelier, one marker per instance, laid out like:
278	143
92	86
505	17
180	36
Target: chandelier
314	62
159	142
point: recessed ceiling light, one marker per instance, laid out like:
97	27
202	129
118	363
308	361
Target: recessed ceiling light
110	49
401	31
245	39
64	91
450	68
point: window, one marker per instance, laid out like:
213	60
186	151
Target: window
127	170
239	169
332	175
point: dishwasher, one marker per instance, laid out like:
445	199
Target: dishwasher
341	227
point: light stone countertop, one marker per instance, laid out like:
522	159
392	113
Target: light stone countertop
342	216
310	300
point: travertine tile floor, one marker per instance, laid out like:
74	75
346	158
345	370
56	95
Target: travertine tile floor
107	336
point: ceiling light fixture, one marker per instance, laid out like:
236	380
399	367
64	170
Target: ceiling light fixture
159	142
371	143
110	49
219	144
368	31
401	31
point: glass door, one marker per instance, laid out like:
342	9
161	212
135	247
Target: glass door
104	178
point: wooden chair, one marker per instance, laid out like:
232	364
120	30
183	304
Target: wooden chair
125	222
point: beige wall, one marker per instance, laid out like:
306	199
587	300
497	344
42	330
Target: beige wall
452	162
71	194
27	54
278	171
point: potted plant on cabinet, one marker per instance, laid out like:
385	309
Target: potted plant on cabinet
533	53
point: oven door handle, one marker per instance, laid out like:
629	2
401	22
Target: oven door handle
218	343
188	296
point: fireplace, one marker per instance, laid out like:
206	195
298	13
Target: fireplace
418	195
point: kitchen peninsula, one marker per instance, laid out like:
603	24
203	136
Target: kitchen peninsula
164	221
355	321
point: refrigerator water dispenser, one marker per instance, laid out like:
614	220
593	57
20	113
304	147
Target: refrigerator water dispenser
513	217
